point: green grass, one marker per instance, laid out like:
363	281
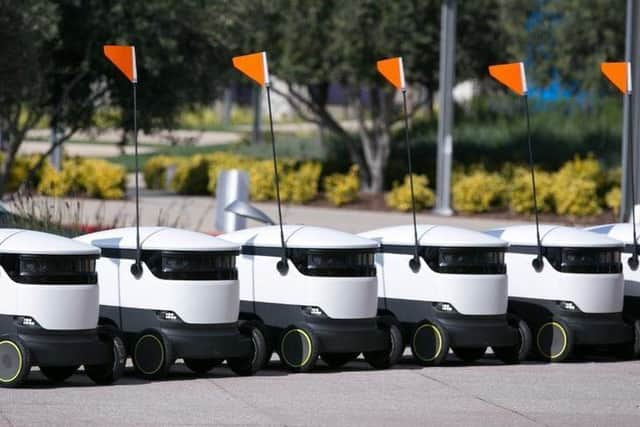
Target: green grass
294	146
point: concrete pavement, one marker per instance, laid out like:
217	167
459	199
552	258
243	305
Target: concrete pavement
485	394
197	213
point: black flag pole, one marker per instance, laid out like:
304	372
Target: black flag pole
283	266
633	260
414	263
537	263
136	269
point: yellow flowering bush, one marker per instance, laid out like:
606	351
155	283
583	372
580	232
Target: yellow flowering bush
342	188
521	193
300	184
399	197
576	187
86	177
479	191
612	200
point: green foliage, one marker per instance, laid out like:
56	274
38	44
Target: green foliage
341	188
84	177
479	191
399	197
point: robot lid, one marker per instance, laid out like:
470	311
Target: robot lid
301	237
434	236
554	236
157	238
621	231
17	241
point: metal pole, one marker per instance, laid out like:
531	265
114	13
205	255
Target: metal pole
631	125
627	134
445	114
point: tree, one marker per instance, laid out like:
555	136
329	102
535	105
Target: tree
52	66
565	39
24	32
318	42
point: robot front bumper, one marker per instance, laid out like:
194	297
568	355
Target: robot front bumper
478	330
598	328
65	348
347	335
206	341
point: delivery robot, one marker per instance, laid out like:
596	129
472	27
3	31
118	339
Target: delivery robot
49	310
181	303
321	301
631	310
456	297
573	297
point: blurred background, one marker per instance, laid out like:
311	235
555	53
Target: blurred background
66	116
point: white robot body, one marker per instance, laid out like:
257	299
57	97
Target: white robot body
55	306
339	297
624	233
194	301
591	292
470	294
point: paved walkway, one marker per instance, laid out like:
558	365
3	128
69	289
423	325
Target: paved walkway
197	213
484	394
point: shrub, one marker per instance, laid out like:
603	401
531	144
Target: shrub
300	185
261	186
612	200
479	191
341	188
191	175
155	171
521	192
400	196
87	177
576	187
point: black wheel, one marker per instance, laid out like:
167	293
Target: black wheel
152	355
15	362
521	350
298	349
386	358
108	373
429	343
260	355
338	360
630	350
202	366
554	341
469	354
58	374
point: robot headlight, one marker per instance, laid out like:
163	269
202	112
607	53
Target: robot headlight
444	307
313	311
26	321
168	315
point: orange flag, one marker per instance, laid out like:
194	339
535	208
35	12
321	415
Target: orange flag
254	66
123	57
393	70
618	73
511	75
